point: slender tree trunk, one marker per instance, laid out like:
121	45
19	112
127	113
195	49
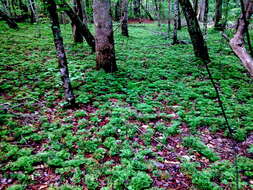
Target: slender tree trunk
179	26
11	23
58	41
105	53
218	15
124	19
199	46
32	10
176	5
77	34
237	42
205	19
117	10
169	17
157	10
79	24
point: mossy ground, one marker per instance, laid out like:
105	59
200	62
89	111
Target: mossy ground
153	124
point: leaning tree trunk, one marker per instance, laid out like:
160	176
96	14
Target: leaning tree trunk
218	15
79	24
11	23
137	10
62	59
32	10
237	42
199	46
124	19
176	11
146	12
105	53
77	34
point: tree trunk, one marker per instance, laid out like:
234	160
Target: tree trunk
158	13
32	10
137	11
117	10
179	26
124	19
77	34
202	10
218	15
58	41
105	53
196	5
176	10
11	23
205	21
169	17
199	46
237	42
79	24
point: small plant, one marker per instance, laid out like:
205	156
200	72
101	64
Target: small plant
196	144
140	181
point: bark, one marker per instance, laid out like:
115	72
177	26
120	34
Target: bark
218	15
11	23
147	12
237	42
137	10
62	59
105	53
79	24
124	19
77	33
199	46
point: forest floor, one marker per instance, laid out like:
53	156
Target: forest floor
154	124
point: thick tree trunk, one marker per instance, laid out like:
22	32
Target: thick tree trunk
79	24
105	53
147	12
137	10
237	42
58	41
124	18
199	46
218	15
11	23
77	34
